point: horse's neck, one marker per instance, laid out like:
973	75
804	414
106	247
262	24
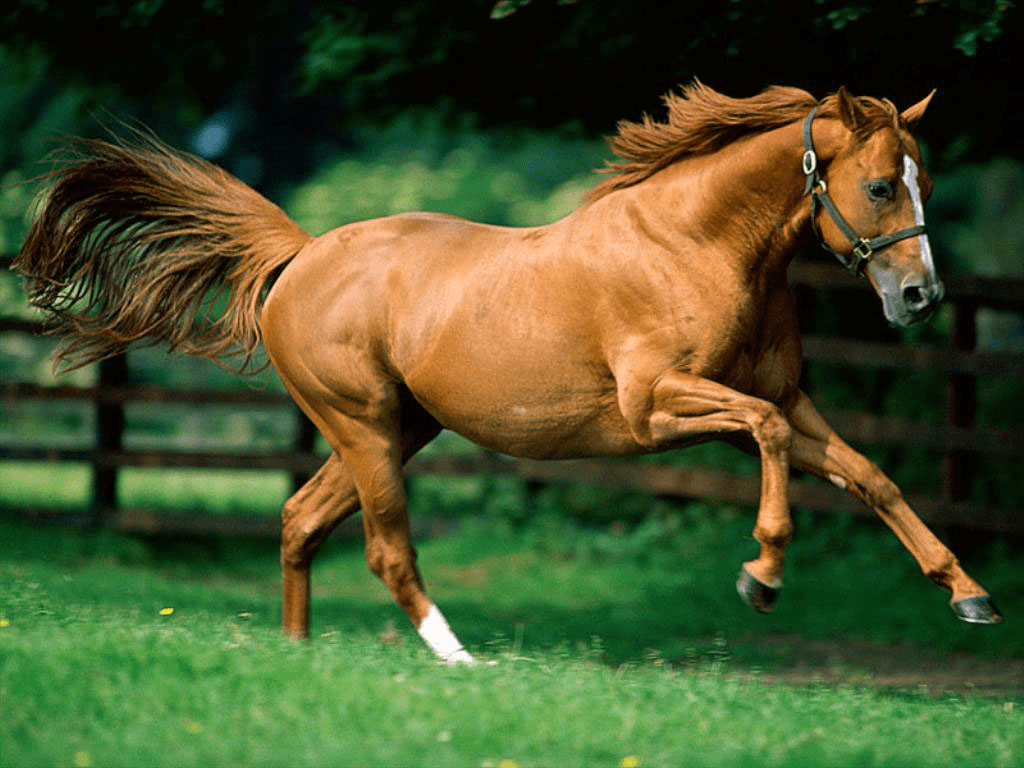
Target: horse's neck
744	202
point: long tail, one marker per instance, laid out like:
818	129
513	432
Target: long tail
137	241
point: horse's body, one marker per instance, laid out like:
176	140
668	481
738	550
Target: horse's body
655	316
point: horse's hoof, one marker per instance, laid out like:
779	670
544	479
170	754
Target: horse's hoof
758	595
977	610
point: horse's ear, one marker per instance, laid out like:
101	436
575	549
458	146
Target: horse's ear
850	111
912	115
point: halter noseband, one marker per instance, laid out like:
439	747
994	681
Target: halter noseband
863	248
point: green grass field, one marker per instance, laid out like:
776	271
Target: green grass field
611	648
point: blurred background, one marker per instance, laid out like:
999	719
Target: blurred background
341	111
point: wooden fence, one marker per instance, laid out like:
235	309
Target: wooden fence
961	442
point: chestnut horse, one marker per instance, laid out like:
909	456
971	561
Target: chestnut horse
655	316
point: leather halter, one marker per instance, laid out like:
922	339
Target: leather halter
863	247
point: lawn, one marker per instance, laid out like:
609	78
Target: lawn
601	648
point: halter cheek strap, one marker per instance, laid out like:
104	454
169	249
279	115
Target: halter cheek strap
863	247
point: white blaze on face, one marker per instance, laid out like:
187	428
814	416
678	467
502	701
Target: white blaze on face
910	174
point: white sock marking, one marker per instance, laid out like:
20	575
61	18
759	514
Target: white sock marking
438	635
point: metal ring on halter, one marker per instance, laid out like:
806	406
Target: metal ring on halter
810	162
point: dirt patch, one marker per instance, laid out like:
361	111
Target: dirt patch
803	661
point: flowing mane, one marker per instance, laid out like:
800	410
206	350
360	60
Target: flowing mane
701	121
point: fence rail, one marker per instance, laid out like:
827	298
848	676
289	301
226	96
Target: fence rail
960	440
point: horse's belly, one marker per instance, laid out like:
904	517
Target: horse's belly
526	417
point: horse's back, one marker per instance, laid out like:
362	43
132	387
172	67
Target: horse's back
365	277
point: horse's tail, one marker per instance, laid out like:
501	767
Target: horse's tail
135	240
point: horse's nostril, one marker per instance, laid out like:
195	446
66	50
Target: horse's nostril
914	296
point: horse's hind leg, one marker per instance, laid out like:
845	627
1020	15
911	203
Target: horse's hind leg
371	443
309	517
313	512
818	449
376	464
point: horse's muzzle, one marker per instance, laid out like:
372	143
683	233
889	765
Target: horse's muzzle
920	299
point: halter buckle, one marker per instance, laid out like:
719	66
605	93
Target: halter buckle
862	250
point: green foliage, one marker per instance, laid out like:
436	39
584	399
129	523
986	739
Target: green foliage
981	22
541	64
418	165
977	213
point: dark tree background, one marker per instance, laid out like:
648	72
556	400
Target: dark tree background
294	75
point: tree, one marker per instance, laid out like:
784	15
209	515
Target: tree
295	74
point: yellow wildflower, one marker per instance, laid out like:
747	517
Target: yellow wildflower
630	761
4	623
166	611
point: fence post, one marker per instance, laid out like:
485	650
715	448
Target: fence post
305	439
806	300
963	404
109	436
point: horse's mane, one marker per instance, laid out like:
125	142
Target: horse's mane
701	121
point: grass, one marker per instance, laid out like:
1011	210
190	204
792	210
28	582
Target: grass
182	692
206	491
612	648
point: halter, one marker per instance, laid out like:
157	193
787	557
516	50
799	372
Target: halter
863	248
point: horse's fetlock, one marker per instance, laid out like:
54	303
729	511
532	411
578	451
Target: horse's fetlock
778	537
941	573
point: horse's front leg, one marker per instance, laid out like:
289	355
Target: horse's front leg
682	407
818	449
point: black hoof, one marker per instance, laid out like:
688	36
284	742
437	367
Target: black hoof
759	596
977	610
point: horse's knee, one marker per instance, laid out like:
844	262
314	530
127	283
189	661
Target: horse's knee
771	430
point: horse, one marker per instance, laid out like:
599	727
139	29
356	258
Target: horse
655	316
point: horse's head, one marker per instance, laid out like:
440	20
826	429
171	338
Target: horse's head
878	182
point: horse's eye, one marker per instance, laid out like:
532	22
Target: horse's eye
879	190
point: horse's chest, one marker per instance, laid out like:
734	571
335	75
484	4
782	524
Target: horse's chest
756	350
769	373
